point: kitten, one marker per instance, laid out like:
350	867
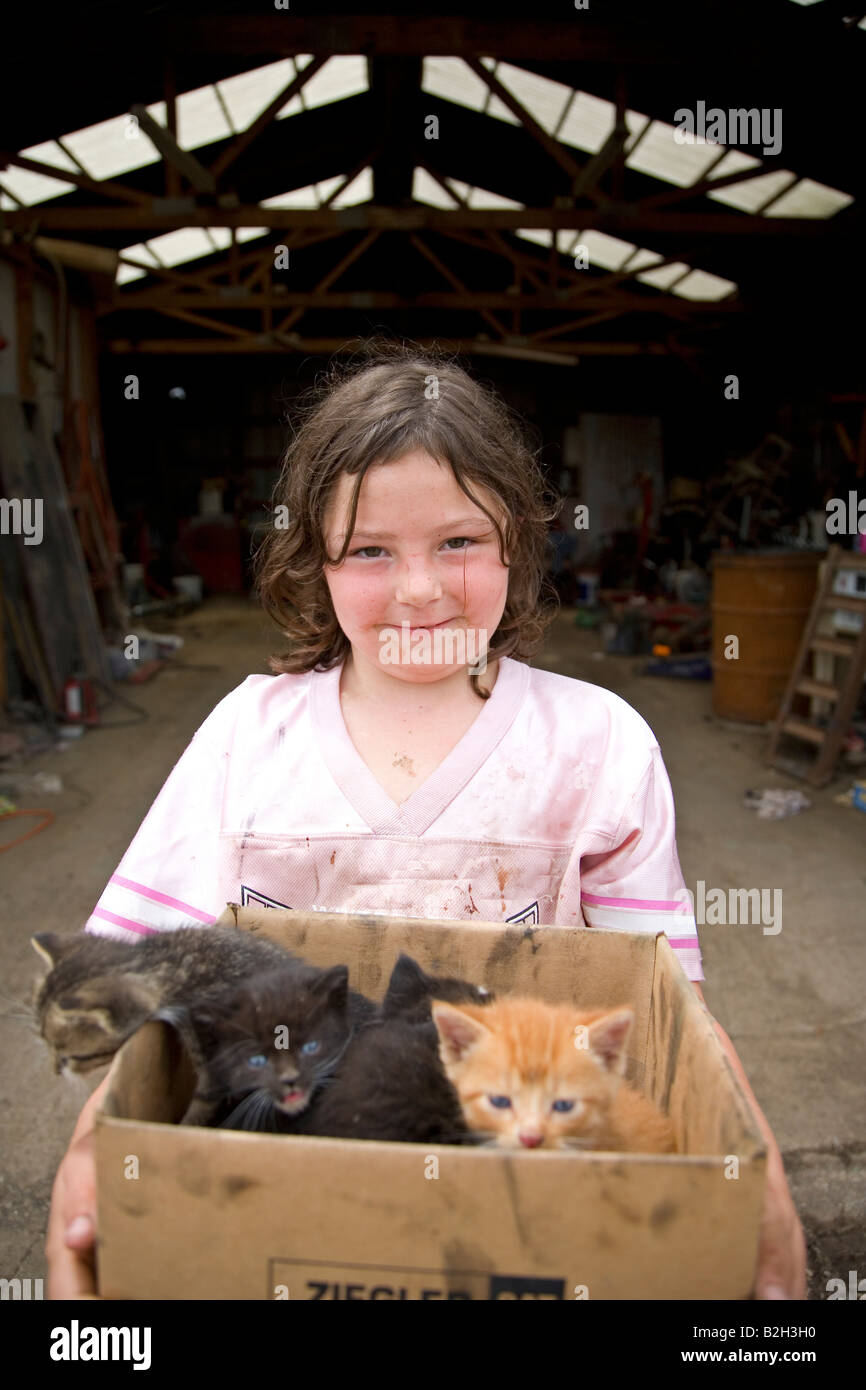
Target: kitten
390	1084
410	990
536	1075
98	991
270	1047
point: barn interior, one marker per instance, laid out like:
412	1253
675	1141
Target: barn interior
644	230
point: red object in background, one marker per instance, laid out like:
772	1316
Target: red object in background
213	546
79	702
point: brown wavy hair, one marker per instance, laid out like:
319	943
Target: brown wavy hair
374	408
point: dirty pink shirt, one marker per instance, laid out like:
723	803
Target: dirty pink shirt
554	807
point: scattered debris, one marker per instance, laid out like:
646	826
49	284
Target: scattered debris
854	796
776	803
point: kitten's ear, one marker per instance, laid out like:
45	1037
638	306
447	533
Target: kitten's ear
608	1037
49	947
333	985
408	984
458	1033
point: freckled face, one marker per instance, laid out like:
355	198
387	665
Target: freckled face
422	554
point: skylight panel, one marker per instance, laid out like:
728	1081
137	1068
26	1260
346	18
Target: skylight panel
250	92
537	234
454	80
589	120
249	233
483	198
544	99
754	193
125	273
30	188
641	259
607	251
426	189
339	78
295	198
663	278
360	190
701	285
185	244
115	146
659	154
200	119
7	203
809	199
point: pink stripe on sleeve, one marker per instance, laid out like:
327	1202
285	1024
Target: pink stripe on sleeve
123	922
157	897
648	903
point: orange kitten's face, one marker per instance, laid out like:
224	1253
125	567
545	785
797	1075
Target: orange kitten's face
533	1075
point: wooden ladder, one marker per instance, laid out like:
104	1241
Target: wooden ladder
844	695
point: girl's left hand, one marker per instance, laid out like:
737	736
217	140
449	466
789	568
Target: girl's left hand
781	1269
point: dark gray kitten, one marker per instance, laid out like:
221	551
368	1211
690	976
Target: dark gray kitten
270	1048
98	991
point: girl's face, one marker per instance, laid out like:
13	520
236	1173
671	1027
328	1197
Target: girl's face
422	589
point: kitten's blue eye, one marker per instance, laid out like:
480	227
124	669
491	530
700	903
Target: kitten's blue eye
501	1102
258	1061
563	1106
311	1046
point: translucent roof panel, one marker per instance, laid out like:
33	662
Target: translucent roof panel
659	154
607	251
454	80
544	99
200	119
699	284
663	278
339	78
754	193
250	92
114	147
809	199
30	188
360	190
589	120
186	244
426	189
250	233
125	273
295	198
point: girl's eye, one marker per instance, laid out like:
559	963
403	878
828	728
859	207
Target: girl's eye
563	1106
500	1102
460	541
310	1047
365	548
258	1061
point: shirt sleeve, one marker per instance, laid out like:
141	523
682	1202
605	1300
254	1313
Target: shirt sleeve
169	876
638	885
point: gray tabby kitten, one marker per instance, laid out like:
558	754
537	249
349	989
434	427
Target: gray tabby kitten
98	991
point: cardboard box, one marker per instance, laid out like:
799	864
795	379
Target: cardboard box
218	1214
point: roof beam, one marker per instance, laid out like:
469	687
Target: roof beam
264	118
201	179
166	215
580	38
261	343
227	297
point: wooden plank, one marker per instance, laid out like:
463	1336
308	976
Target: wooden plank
837	646
800	729
821	690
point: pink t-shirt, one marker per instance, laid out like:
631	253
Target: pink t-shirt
554	807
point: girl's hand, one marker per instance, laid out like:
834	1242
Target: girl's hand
781	1269
71	1236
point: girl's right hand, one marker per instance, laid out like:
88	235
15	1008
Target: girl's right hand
71	1237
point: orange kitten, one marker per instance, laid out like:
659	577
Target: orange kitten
536	1075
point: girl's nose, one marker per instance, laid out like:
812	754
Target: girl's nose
418	583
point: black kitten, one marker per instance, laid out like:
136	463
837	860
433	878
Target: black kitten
391	1084
269	1049
410	990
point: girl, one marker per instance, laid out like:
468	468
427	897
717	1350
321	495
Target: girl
406	759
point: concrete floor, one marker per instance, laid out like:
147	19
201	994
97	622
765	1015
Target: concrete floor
792	1003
